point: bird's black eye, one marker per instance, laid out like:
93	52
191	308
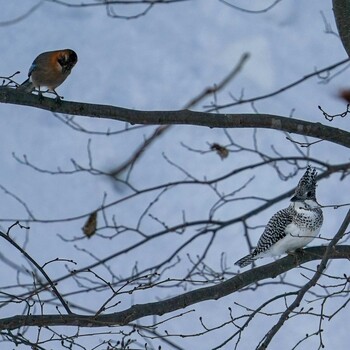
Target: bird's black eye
62	60
309	194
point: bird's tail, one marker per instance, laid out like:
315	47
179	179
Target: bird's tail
27	86
248	259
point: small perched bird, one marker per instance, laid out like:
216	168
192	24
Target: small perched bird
293	227
50	69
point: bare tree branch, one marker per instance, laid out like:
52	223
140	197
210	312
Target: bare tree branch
42	271
297	82
114	2
341	9
321	267
251	11
23	16
268	121
217	87
162	129
216	292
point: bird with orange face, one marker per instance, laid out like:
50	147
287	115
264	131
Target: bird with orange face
50	69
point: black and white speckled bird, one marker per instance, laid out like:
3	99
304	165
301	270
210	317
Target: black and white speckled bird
293	227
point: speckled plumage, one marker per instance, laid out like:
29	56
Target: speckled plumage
293	227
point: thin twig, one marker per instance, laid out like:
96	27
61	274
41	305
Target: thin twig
23	16
192	103
184	300
284	88
217	87
52	285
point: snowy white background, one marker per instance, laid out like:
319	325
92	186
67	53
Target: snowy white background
159	62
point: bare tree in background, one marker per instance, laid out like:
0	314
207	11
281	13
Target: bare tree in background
146	306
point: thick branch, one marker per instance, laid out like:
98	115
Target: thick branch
179	302
268	121
341	9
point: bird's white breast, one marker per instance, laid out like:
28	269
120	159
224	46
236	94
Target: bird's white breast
296	238
299	233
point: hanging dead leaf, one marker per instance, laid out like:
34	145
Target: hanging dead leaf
89	228
220	150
